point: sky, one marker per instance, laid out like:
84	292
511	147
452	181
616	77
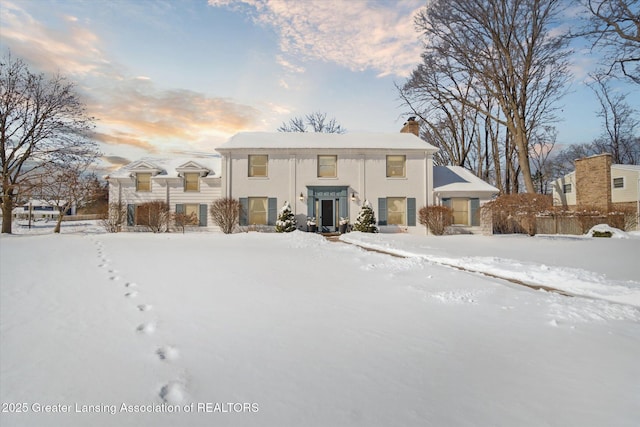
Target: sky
164	77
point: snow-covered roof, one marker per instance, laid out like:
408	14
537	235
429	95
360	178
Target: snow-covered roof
171	167
312	140
458	179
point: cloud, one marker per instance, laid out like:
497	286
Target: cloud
73	50
116	161
123	138
359	35
131	110
137	112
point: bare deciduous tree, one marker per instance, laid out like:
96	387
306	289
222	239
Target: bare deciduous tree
42	120
614	26
510	58
542	144
432	93
620	122
317	121
64	185
116	217
225	213
182	220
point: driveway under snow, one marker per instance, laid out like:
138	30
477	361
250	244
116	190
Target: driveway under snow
265	329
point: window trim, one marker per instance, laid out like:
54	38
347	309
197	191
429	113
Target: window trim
613	182
197	176
140	174
251	172
404	166
335	165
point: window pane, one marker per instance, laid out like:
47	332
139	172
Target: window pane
460	211
327	166
143	182
192	209
258	210
258	165
618	182
191	181
396	166
566	188
142	215
396	208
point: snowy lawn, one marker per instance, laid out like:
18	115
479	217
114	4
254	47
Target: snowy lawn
265	329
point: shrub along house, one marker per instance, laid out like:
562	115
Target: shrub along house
186	185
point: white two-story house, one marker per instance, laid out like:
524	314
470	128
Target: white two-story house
329	176
186	185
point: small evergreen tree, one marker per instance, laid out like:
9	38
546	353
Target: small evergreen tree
286	220
366	221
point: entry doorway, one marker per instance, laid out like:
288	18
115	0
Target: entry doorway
328	209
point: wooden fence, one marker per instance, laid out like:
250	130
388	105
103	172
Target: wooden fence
89	217
563	224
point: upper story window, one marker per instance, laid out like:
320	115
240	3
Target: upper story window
396	166
566	188
258	165
191	181
143	182
618	182
327	166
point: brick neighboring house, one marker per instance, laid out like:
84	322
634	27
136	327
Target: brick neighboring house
596	183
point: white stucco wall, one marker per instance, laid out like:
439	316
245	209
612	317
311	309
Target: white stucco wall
560	198
291	172
629	193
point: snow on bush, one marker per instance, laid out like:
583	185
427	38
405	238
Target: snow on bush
366	221
605	230
286	222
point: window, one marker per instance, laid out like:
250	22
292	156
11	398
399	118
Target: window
396	210
618	182
143	214
258	210
143	182
566	188
327	166
460	211
192	181
192	209
258	165
396	166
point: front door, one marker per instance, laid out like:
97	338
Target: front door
327	215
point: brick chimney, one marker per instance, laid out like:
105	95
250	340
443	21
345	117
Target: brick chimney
411	126
593	182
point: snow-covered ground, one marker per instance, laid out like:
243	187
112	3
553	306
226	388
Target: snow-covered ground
265	329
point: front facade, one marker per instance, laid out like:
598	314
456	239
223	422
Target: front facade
327	177
596	183
186	185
